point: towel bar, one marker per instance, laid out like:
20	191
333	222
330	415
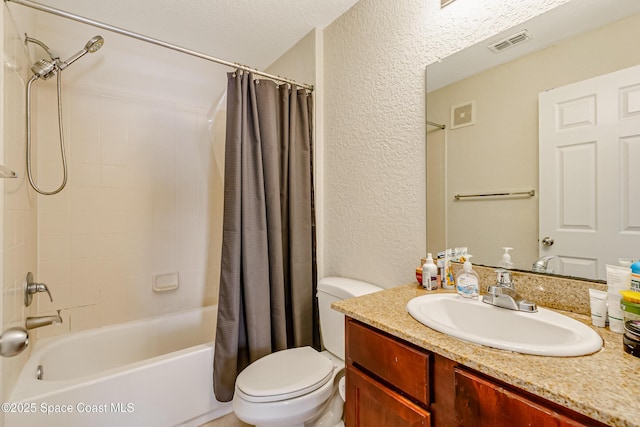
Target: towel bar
517	193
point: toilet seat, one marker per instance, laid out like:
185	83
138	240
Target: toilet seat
284	375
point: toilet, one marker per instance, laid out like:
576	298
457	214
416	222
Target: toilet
300	386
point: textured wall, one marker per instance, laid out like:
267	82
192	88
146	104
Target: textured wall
374	180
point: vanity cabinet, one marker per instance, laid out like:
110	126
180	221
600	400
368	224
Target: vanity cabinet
392	383
381	391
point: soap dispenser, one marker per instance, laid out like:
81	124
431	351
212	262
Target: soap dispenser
429	274
468	281
506	262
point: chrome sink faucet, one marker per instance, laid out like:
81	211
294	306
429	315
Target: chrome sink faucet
503	294
542	265
40	321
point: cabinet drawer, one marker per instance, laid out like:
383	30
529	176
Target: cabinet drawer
371	404
399	365
482	402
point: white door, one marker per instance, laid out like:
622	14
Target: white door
589	170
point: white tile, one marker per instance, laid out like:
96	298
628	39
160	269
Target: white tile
164	251
85	126
137	199
115	221
112	312
56	275
85	175
116	176
116	153
88	246
83	101
85	151
87	293
60	201
50	175
85	270
113	269
88	198
54	223
54	248
86	222
83	318
9	261
139	220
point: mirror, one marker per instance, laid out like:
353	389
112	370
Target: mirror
490	142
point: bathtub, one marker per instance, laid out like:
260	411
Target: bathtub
153	372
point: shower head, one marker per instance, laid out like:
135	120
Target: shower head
45	69
92	46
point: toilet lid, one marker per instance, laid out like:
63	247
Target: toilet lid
284	375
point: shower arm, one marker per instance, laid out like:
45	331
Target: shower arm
42	45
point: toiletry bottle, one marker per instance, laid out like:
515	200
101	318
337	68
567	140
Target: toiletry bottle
506	262
449	280
635	276
468	281
429	274
442	280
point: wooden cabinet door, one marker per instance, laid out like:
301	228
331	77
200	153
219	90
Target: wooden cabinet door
481	402
371	404
390	360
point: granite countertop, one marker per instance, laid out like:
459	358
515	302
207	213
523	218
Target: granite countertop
604	385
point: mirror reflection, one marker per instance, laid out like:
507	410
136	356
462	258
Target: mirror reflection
490	145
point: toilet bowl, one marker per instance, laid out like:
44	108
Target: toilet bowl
300	386
286	388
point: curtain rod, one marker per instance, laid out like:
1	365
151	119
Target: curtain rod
438	125
151	40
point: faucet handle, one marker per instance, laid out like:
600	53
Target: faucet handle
30	288
503	277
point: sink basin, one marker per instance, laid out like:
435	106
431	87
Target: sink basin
544	333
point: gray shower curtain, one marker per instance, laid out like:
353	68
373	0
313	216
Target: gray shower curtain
267	279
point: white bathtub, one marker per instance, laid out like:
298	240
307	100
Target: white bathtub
149	373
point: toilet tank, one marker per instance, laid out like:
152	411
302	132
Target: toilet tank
330	290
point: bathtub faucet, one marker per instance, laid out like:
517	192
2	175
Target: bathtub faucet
40	321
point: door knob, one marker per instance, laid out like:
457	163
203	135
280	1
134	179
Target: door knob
547	241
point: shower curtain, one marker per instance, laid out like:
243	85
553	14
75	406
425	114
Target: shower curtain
267	278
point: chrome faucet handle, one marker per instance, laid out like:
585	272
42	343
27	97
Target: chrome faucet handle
503	278
13	341
30	288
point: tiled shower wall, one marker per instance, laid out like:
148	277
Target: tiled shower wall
144	198
18	214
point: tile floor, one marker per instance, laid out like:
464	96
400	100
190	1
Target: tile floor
226	421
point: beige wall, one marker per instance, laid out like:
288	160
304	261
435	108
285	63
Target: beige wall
303	63
298	63
374	178
500	152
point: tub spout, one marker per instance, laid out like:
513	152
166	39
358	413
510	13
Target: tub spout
40	321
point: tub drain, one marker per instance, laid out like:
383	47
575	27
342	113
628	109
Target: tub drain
39	372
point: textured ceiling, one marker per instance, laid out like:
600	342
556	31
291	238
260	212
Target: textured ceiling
250	32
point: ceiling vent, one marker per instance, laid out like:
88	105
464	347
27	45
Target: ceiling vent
510	41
